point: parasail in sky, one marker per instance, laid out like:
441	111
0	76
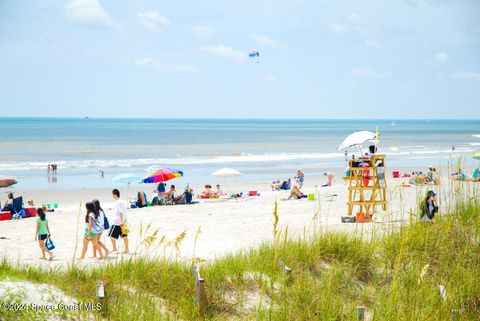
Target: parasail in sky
254	53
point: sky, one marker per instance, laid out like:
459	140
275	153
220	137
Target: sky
189	59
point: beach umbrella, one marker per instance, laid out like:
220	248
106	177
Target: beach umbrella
124	178
6	181
226	172
162	175
357	138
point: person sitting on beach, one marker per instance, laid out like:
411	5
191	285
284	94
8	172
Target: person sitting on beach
8	206
207	193
172	195
276	185
30	203
429	175
429	207
295	193
219	192
300	178
286	185
161	188
329	179
42	232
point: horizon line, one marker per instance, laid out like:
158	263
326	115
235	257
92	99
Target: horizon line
220	118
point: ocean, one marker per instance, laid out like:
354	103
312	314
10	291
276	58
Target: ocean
260	149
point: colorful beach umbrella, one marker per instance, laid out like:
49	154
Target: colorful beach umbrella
226	172
357	138
124	178
6	181
162	175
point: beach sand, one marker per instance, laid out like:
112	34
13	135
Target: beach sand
226	226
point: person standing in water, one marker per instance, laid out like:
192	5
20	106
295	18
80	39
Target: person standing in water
42	232
119	220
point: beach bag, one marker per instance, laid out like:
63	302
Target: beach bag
188	197
106	224
49	244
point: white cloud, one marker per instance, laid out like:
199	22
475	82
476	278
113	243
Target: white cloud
441	57
464	75
267	78
154	64
373	44
370	73
152	20
267	41
89	12
339	28
354	22
203	31
227	52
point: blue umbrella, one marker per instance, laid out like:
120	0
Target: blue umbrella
124	178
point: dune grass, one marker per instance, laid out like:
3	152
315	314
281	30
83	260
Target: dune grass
394	276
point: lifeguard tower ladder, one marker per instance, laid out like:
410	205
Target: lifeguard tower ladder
367	187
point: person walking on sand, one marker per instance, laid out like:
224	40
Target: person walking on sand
42	232
99	227
119	220
90	230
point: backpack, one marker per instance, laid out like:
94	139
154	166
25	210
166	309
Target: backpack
106	224
188	197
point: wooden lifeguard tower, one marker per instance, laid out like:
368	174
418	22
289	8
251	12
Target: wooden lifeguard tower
367	187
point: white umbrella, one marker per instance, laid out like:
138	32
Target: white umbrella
357	138
226	172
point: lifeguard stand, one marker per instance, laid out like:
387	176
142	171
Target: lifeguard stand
367	187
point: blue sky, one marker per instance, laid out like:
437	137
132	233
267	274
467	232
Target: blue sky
318	59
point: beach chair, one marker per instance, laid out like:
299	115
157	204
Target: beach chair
18	207
476	175
141	200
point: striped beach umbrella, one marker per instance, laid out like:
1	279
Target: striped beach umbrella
162	175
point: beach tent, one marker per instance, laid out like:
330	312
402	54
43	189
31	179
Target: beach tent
226	172
6	181
357	138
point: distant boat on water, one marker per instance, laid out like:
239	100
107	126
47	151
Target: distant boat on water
86	117
393	123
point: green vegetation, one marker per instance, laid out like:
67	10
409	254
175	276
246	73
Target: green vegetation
395	277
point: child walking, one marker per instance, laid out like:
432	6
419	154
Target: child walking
42	232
